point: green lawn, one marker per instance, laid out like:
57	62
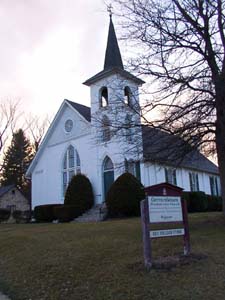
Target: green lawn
104	261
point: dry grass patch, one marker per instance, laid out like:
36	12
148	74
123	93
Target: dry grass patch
104	261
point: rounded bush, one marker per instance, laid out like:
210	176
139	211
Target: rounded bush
79	193
66	213
45	213
4	214
124	196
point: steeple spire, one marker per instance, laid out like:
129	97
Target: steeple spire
112	54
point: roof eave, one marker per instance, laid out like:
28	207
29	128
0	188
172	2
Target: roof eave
112	71
44	141
168	163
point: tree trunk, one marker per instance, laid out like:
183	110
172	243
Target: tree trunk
220	135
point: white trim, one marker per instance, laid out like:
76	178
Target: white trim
48	134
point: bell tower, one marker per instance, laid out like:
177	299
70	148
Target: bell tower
114	92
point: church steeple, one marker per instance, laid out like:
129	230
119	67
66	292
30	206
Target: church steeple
112	55
113	61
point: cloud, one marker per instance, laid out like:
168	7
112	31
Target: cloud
49	47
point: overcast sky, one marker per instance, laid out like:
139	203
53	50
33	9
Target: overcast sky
48	48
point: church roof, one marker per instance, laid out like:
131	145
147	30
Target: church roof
6	189
85	111
113	60
164	148
111	71
112	54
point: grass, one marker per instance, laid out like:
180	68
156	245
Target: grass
104	261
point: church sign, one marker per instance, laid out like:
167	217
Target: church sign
164	209
163	206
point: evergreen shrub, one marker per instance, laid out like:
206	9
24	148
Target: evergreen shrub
214	203
45	213
124	196
66	213
4	214
196	201
79	194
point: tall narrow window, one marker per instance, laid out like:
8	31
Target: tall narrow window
106	134
78	169
104	97
171	176
213	186
128	128
127	96
194	183
71	166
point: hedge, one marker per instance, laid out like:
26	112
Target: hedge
45	213
124	196
215	203
4	214
200	202
66	213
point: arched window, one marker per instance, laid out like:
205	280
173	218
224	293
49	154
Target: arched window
108	174
71	166
127	95
106	134
128	128
104	97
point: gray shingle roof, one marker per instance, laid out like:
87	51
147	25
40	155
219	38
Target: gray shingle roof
163	148
111	71
5	189
85	111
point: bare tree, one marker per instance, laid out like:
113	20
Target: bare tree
9	114
36	126
181	44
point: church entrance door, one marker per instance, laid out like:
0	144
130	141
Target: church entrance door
108	175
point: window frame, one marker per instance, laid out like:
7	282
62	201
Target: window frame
106	130
170	175
103	98
194	182
214	188
70	169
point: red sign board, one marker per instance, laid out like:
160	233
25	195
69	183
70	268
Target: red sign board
163	204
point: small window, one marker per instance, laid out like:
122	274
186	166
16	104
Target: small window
194	182
127	96
104	97
133	168
213	186
106	134
171	176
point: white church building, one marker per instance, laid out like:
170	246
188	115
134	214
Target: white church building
107	139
